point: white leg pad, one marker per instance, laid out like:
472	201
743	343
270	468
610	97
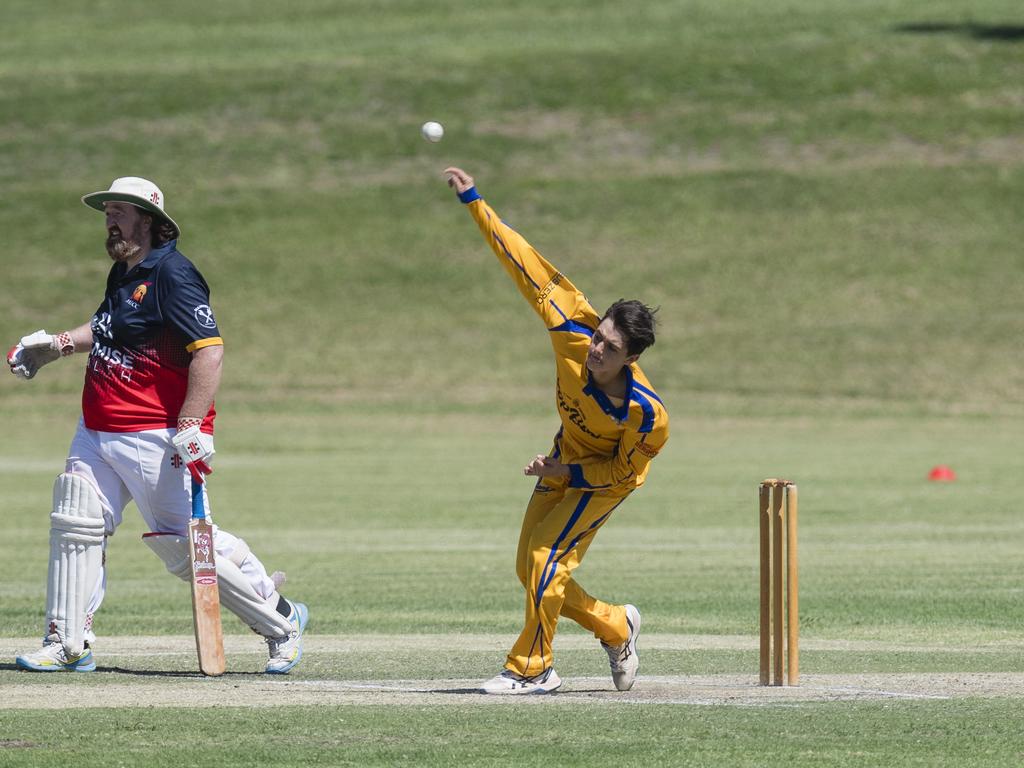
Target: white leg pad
240	552
173	550
236	593
76	559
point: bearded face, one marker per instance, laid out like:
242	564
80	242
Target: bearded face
127	231
121	249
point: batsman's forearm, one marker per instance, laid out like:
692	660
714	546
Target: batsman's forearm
82	337
203	380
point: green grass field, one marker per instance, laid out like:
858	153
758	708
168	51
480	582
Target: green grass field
823	198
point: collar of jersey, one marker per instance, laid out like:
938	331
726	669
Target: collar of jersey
158	253
149	262
591	389
121	273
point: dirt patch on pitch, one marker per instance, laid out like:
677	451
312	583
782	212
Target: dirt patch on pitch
140	672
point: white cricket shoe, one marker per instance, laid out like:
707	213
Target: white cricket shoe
623	658
53	658
511	683
286	651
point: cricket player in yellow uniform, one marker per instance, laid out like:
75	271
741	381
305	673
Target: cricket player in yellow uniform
613	424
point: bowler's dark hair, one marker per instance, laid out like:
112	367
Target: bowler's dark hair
635	321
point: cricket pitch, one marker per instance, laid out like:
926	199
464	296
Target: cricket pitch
148	671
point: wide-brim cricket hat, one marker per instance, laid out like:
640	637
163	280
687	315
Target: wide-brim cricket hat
139	192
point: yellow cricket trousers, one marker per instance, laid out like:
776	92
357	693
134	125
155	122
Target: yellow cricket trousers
559	525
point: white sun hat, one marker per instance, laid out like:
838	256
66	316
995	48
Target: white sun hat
139	192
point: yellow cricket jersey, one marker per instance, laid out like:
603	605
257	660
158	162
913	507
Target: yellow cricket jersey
607	447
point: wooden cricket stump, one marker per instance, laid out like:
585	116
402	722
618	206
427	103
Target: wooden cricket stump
778	510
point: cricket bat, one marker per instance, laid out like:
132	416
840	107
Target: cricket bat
205	594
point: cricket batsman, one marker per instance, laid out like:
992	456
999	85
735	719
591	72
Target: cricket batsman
154	365
613	424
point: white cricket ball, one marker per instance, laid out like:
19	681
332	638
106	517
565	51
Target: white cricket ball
432	131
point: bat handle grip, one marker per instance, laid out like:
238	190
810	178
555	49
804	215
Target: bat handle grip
198	509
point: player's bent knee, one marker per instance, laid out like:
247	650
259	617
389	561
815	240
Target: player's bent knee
236	593
539	559
173	550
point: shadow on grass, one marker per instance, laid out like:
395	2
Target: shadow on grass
112	670
1009	33
4	667
168	673
477	691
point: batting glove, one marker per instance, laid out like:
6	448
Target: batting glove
36	350
196	448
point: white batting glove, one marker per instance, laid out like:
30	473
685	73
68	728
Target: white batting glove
36	350
195	447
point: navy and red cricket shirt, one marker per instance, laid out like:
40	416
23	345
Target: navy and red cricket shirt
153	317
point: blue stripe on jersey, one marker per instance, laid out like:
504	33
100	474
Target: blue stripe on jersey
558	309
551	565
571	326
576	479
469	195
646	391
511	258
648	421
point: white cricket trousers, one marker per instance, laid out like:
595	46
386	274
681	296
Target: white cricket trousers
144	467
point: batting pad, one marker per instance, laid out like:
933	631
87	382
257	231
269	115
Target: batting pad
173	550
236	593
76	558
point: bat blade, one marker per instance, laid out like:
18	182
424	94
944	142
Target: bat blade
205	592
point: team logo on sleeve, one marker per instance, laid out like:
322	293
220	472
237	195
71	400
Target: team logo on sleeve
204	315
647	450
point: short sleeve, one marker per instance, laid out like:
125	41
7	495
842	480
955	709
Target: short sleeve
187	310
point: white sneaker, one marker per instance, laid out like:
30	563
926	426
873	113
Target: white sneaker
623	658
53	658
286	651
511	683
